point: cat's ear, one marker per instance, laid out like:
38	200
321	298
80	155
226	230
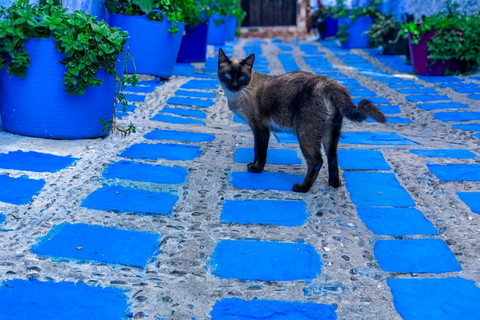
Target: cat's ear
249	60
222	57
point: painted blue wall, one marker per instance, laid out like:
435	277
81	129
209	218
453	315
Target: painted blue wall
428	7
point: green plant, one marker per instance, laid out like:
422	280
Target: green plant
341	11
228	9
89	45
383	30
170	8
195	12
456	35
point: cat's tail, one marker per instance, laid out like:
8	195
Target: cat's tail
364	109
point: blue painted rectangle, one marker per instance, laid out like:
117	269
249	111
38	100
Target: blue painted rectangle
363	93
195	102
35	300
134	97
442	105
196	94
2	218
237	309
19	190
440	79
265	180
265	261
474	96
377	100
417	91
185	112
471	199
416	255
140	89
446	153
274	156
374	138
145	172
84	242
393	120
395	221
356	159
456	172
237	119
427	98
375	189
120	199
389	109
468	127
457	116
177	120
286	137
183	136
476	135
439	299
200	85
405	85
34	161
283	213
166	151
467	90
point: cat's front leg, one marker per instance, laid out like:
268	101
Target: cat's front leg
261	135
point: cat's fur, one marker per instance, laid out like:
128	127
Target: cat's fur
313	105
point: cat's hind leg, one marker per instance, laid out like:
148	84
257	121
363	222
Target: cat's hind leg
261	135
311	146
330	142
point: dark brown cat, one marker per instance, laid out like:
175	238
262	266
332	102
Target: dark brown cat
314	106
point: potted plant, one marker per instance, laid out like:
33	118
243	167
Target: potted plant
385	33
194	43
234	20
59	77
220	26
155	27
355	23
327	25
444	43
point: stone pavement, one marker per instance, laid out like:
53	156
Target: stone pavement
168	224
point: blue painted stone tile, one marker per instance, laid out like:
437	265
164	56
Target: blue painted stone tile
195	94
128	108
375	189
274	156
455	172
374	138
166	151
395	221
120	199
283	213
442	105
154	82
393	120
390	109
405	85
34	300
467	90
416	255
265	180
362	93
439	299
2	218
468	127
440	79
184	101
134	97
185	112
19	190
446	153
145	172
177	120
200	85
99	244
457	85
348	81
358	159
184	136
140	89
237	309
427	98
417	91
265	261
471	199
286	137
457	116
373	100
476	135
34	161
237	119
391	80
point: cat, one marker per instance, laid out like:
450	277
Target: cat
312	105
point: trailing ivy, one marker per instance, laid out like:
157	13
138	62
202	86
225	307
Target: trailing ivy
456	35
228	9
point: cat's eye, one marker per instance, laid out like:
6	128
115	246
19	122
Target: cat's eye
228	76
242	78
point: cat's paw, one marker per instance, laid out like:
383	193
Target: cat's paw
251	167
334	183
298	187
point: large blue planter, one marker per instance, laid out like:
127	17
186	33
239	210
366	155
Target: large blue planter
231	28
194	44
217	35
357	32
331	28
154	49
38	105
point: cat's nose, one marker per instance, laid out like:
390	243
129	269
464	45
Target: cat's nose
235	82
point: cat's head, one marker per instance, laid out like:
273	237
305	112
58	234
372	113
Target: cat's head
234	74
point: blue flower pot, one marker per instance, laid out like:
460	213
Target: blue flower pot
154	49
194	44
231	28
357	32
38	105
217	35
331	28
